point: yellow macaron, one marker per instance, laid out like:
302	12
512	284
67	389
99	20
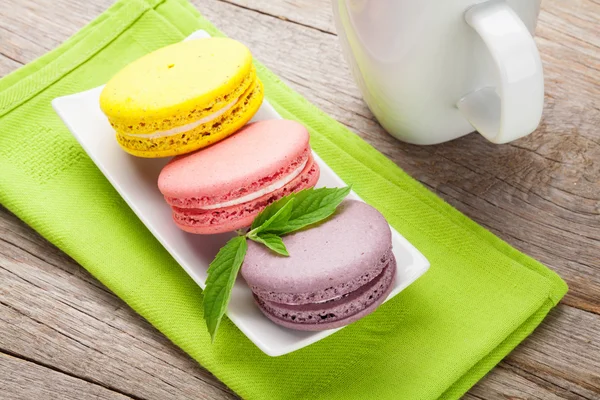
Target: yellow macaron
182	97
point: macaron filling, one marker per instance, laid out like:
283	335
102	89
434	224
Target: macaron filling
202	135
214	221
278	184
184	128
207	202
333	313
329	293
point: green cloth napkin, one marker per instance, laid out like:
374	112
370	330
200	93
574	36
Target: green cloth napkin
435	340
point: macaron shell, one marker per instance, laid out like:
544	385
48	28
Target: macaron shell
326	255
176	79
334	314
232	167
203	135
206	222
316	296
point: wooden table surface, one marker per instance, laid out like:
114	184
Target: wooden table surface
63	335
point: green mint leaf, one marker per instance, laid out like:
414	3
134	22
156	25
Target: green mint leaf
270	211
272	241
309	207
221	277
278	220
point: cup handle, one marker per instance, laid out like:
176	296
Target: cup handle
514	107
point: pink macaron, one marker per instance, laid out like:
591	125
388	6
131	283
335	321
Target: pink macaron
223	187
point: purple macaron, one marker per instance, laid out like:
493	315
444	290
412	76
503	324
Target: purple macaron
338	271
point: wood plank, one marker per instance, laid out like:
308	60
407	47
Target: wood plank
17	47
504	384
7	65
311	13
21	379
83	329
44	24
563	354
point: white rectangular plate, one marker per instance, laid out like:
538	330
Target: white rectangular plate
136	181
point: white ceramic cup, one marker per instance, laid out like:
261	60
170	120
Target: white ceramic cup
435	70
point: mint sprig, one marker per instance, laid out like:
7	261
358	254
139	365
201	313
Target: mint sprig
272	241
288	214
221	276
278	217
309	207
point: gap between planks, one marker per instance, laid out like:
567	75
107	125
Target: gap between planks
39	371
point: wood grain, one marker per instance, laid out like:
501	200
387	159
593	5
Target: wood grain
22	379
541	194
505	384
563	355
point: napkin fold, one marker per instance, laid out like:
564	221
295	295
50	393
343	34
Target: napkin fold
436	339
